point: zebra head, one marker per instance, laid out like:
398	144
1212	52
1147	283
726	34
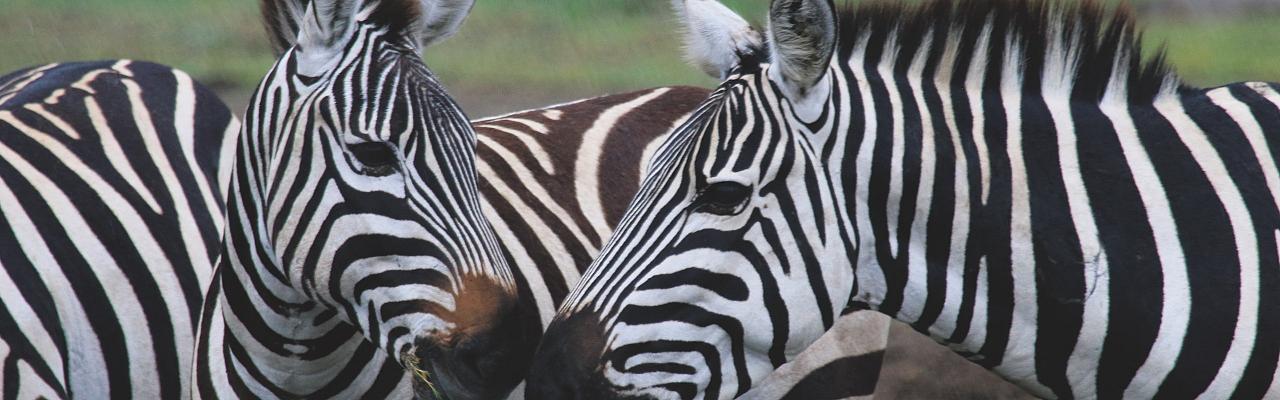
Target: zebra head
360	168
731	258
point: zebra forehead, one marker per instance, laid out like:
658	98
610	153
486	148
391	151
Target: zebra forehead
283	18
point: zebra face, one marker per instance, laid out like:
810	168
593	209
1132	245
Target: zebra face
367	182
732	257
715	275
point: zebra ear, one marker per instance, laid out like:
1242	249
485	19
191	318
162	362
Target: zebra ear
802	35
281	18
440	19
323	26
716	38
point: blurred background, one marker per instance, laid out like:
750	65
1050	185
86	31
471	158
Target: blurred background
514	54
517	54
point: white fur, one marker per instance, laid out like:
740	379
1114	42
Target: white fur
715	36
317	48
808	104
441	19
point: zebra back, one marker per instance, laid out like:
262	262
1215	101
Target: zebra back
112	180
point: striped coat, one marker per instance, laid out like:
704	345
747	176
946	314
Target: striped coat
555	182
112	179
1016	179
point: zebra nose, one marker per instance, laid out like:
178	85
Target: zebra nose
486	363
566	365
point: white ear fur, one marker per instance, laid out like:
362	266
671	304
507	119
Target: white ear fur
715	37
322	25
282	18
441	19
802	37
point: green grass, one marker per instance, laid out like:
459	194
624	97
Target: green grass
574	45
554	46
1214	52
219	41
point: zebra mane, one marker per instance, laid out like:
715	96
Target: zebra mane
1081	46
282	18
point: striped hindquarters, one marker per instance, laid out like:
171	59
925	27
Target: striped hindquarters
112	182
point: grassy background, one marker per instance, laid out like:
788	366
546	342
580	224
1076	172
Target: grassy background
511	53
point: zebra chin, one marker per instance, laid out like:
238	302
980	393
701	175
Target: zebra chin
488	353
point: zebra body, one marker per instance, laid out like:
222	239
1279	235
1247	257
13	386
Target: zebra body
555	180
1009	177
111	204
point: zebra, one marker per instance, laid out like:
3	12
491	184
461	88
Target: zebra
1008	177
556	180
357	261
493	159
110	203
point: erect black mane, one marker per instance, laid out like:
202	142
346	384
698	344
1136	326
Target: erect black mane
1107	43
282	18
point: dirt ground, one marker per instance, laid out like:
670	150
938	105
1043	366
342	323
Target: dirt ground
916	367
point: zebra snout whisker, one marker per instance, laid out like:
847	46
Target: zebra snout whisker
483	356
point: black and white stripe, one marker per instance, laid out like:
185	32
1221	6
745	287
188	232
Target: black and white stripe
556	180
358	261
110	206
1009	177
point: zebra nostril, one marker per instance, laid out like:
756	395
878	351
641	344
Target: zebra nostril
476	361
564	366
486	358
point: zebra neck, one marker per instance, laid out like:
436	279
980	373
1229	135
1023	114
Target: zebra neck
277	340
982	221
934	181
300	353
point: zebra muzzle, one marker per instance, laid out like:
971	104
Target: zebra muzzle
423	387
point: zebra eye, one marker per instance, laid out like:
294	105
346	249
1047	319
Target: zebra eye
722	198
379	159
